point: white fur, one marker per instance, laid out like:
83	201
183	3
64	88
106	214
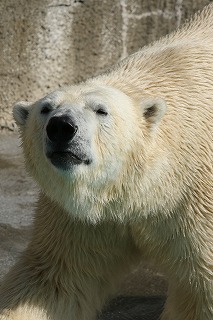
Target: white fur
146	195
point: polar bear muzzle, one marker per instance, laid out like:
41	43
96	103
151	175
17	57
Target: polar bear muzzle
65	145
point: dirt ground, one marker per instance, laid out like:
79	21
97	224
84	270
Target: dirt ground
141	292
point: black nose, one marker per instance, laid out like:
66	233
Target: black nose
61	129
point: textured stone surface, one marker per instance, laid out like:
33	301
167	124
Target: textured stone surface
47	43
17	199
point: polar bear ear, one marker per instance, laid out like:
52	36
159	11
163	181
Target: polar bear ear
21	112
153	109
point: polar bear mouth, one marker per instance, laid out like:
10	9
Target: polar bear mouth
66	159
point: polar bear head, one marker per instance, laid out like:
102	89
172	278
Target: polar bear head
85	145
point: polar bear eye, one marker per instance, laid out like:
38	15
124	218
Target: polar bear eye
46	109
101	111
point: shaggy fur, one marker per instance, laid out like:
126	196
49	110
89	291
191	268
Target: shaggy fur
147	193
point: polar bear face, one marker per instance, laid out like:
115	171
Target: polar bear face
79	142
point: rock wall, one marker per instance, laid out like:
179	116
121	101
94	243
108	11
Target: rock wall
48	43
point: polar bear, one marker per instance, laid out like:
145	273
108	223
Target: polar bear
124	163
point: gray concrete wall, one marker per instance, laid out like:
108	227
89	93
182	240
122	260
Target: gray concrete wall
47	43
